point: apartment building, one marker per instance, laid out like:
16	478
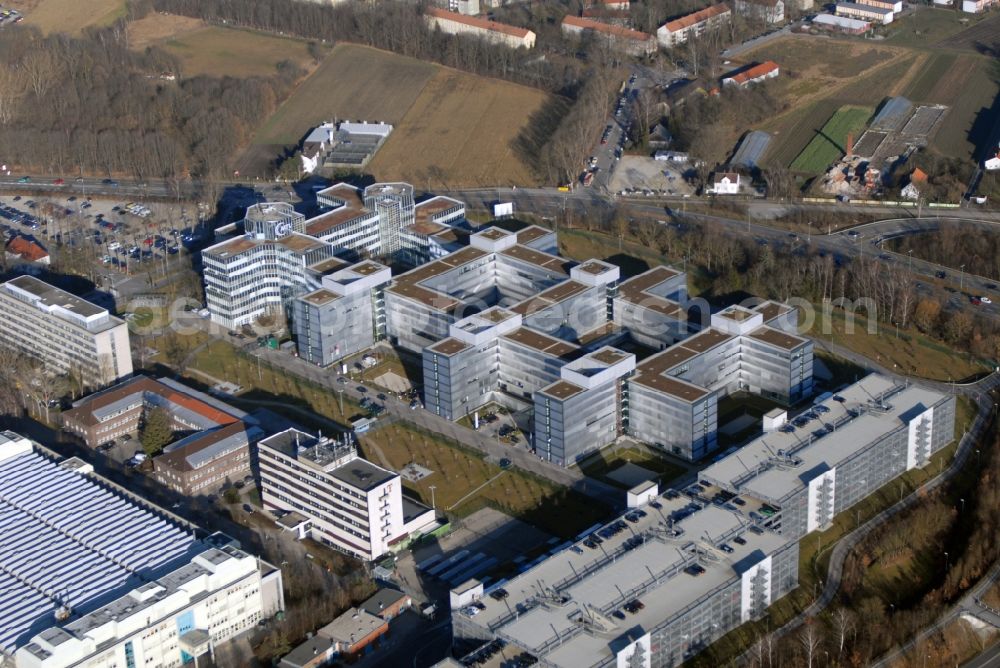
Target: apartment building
97	577
770	12
838	452
344	316
632	42
348	503
452	23
692	26
652	595
68	334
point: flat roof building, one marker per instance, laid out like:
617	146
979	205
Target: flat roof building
351	504
838	452
68	334
282	255
88	572
682	575
866	12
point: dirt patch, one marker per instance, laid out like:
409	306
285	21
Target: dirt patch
158	27
71	16
642	173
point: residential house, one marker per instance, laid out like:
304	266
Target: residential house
26	250
751	75
725	183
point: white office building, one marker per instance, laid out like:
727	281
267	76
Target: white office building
69	334
344	501
91	576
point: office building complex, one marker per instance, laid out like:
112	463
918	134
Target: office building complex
344	316
542	334
91	577
262	270
843	449
70	335
347	502
282	255
213	438
664	582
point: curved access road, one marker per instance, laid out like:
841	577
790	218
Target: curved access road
979	391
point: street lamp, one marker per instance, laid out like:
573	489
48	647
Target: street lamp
961	278
433	504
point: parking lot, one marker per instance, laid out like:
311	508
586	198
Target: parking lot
119	238
640	175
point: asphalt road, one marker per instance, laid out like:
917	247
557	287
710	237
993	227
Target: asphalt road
988	659
831	584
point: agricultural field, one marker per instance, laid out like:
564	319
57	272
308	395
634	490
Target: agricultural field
979	37
70	16
439	116
828	144
929	58
973	115
461	131
927	27
354	82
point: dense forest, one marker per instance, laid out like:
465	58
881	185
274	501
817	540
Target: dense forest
90	105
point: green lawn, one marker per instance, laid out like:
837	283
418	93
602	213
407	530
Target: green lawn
465	481
828	143
600	464
924	27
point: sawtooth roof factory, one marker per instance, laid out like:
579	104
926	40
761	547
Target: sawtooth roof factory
90	575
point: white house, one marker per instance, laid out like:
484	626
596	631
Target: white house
993	162
769	11
726	183
977	6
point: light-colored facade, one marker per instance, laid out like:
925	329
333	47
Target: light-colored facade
769	11
95	577
69	334
756	74
693	25
349	503
282	256
261	271
696	576
837	453
453	23
629	41
865	12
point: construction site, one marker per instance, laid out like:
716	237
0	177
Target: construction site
897	130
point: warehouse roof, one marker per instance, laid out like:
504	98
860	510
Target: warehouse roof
69	541
545	608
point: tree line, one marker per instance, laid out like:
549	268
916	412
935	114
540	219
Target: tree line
89	104
955	245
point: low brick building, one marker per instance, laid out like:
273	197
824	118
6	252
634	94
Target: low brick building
206	462
387	603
